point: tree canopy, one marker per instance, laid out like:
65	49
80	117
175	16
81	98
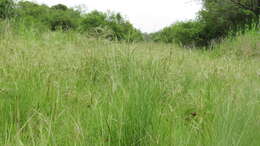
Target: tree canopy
109	25
217	19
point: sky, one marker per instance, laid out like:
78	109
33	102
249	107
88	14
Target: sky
146	15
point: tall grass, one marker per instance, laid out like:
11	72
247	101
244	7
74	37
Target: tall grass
63	89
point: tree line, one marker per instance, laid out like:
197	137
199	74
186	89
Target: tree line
109	25
218	19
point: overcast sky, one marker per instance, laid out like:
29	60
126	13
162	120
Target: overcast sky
146	15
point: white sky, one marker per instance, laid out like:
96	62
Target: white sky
146	15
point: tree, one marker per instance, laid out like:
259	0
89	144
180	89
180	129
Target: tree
244	12
93	20
56	17
249	5
32	12
217	19
60	7
187	34
110	25
62	21
64	18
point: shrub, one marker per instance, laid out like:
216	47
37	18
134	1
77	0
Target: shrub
6	9
63	20
188	33
60	7
110	25
32	13
183	33
93	20
217	20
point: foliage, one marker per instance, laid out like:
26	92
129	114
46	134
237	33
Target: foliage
183	33
56	17
221	17
31	14
64	18
110	26
123	30
60	7
217	20
6	9
93	20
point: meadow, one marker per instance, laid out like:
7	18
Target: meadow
63	89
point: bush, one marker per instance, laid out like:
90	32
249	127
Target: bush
93	20
217	20
56	17
123	29
29	13
64	20
60	7
183	33
6	9
110	25
188	33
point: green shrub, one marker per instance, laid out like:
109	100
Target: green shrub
187	33
6	9
64	20
218	19
30	12
60	7
93	20
110	25
183	33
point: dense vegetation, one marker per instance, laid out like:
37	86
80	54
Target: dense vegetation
59	17
63	89
59	87
217	20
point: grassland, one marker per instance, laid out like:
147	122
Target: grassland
62	89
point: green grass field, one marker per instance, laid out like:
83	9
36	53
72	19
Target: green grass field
62	89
